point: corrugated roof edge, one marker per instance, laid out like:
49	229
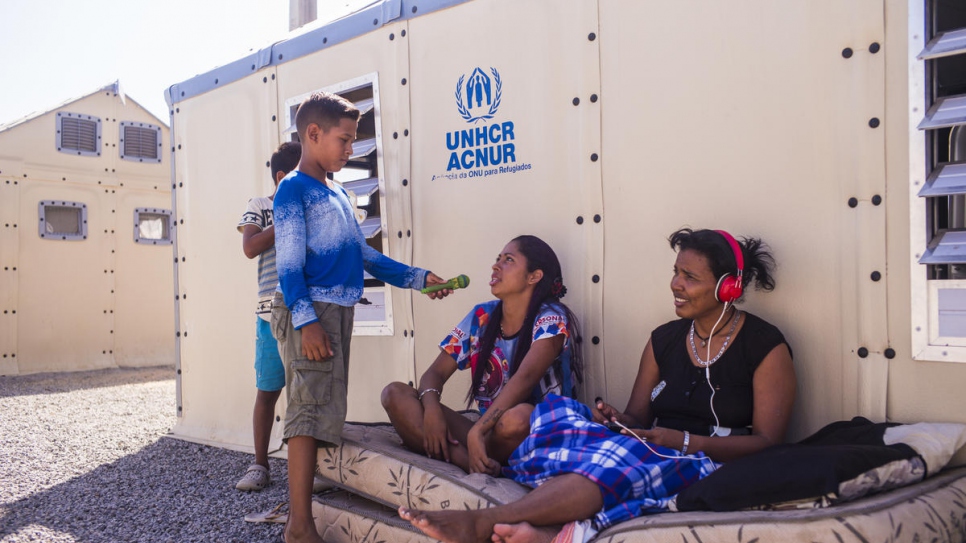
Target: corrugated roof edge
365	20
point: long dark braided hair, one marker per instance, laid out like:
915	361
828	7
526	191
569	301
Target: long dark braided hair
548	291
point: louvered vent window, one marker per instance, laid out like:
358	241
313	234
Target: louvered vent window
362	179
938	173
140	142
945	129
78	134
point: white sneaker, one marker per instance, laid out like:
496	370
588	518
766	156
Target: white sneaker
256	478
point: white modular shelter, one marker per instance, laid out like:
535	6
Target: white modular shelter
85	238
602	126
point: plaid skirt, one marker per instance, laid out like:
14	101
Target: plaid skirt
634	478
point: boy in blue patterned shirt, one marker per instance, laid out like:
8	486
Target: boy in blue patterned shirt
321	255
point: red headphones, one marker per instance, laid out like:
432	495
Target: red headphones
729	286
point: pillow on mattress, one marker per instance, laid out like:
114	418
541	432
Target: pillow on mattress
843	461
936	442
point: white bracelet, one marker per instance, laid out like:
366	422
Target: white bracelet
687	441
423	393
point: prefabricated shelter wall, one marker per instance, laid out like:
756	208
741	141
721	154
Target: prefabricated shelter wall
605	127
85	239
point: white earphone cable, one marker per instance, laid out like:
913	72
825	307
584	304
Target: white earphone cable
680	457
707	370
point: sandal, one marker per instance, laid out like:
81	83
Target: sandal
278	515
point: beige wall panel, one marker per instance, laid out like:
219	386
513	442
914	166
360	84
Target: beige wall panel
143	287
11	167
918	391
720	131
36	141
375	360
463	222
224	140
64	294
9	252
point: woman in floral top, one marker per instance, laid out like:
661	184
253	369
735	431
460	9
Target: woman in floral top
520	347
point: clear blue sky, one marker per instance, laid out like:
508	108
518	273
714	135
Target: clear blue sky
55	50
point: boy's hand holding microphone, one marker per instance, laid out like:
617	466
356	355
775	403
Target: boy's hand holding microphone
437	288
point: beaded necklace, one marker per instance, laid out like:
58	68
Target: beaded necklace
727	340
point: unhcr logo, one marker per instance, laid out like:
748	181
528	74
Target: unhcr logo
482	95
484	149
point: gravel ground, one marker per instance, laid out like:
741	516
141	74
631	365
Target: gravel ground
84	457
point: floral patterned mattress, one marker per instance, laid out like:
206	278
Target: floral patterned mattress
373	463
378	475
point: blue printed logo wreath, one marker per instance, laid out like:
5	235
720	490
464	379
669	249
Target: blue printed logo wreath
494	105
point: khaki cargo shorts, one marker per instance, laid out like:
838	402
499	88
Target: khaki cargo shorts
315	389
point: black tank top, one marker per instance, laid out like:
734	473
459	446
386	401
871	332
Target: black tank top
684	402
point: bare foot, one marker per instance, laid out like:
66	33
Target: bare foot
448	526
522	533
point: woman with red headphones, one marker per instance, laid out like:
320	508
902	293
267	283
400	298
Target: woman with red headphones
718	380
